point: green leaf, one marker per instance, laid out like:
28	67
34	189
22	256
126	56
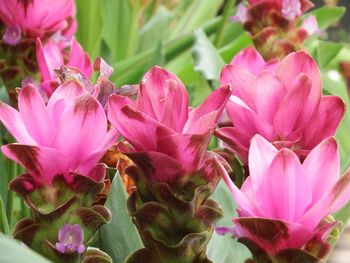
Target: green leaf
207	59
89	16
327	51
327	15
4	225
197	13
119	238
120	27
4	175
155	30
224	249
12	251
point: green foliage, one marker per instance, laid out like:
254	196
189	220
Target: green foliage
119	238
327	15
4	226
12	251
89	16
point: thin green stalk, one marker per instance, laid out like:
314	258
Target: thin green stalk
10	194
225	17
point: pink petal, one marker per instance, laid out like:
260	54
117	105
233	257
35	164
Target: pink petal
35	115
187	149
115	103
261	155
207	114
163	97
235	141
333	199
322	167
49	57
82	122
13	122
157	166
243	83
250	60
41	162
137	128
268	96
324	122
247	121
80	59
290	112
288	71
283	191
241	199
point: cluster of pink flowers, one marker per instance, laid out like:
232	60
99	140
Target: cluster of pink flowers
279	125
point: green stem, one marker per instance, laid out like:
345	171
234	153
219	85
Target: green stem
11	194
226	13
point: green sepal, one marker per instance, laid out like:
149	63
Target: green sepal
174	227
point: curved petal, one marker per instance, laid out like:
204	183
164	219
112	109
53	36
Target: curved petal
247	121
138	129
250	60
283	192
261	155
207	114
49	57
13	122
157	166
289	116
79	58
322	167
82	122
187	149
235	141
268	96
300	62
41	162
324	122
333	199
35	115
243	83
163	97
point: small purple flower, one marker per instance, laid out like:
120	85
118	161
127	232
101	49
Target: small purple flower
241	14
70	239
291	9
310	25
12	35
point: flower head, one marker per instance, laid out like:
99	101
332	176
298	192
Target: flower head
161	124
287	197
282	101
70	239
68	134
38	18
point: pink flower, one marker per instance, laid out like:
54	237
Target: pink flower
286	198
50	57
38	18
282	102
310	25
241	14
291	9
69	134
160	124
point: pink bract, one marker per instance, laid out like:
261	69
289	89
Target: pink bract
69	134
290	193
161	124
39	18
282	101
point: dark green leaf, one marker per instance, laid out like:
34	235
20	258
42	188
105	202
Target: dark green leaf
4	225
119	238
